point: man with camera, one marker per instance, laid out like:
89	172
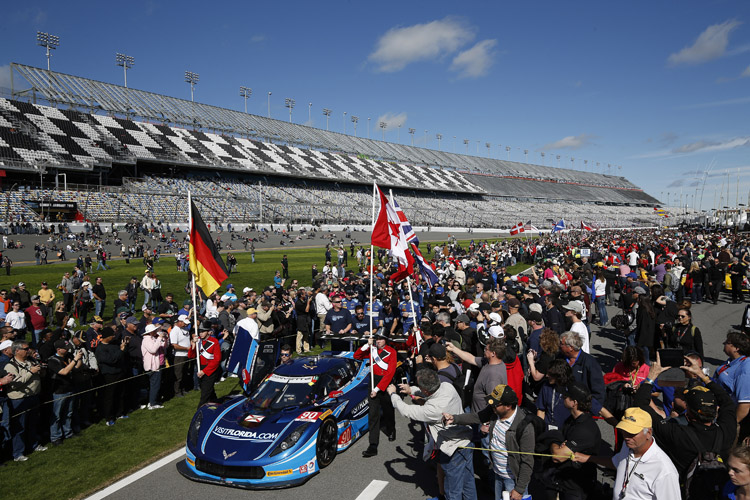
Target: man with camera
23	394
60	367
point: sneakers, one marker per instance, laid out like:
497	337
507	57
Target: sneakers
122	417
155	407
40	448
110	423
143	407
222	379
22	458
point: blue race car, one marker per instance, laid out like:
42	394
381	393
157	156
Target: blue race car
291	425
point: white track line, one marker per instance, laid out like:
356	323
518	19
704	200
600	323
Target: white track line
122	483
373	490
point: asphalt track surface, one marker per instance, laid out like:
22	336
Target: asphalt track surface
399	463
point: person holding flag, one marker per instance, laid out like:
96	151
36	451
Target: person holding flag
384	361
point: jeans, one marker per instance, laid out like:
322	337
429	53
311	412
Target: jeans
505	484
697	293
459	475
146	298
601	307
23	428
99	306
62	416
154	383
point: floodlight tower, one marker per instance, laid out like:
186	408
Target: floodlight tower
50	42
466	143
572	162
327	112
368	127
399	132
439	137
192	79
245	92
526	156
343	122
309	113
355	120
488	146
542	153
289	103
126	62
383	126
269	104
558	159
425	137
412	131
507	150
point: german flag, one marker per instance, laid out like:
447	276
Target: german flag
205	262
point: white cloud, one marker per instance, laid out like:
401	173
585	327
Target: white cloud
708	146
391	120
746	73
402	46
475	62
570	142
258	38
5	76
710	45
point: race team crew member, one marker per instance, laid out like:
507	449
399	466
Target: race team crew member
210	357
384	362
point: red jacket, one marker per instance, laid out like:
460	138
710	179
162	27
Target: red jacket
384	368
210	355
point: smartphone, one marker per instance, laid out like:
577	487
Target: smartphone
671	357
404	381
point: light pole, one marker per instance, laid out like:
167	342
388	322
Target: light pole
439	137
309	112
454	144
126	62
289	103
558	160
543	163
327	112
466	143
245	92
383	126
526	156
487	145
343	122
50	42
507	150
425	137
399	132
572	163
585	165
412	131
368	127
355	119
192	79
269	105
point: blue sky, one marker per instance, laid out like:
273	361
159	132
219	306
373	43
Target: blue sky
661	89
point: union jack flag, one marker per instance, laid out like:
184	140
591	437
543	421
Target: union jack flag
408	231
428	274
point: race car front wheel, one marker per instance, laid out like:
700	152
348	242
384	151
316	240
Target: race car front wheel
325	448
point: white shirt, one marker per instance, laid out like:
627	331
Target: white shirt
633	258
322	304
180	337
582	332
250	326
17	320
651	477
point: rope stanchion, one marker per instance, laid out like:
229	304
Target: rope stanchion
571	456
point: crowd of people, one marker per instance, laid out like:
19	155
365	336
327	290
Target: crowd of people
502	363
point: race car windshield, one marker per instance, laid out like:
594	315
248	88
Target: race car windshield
277	392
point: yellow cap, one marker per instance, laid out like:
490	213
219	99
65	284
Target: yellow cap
634	421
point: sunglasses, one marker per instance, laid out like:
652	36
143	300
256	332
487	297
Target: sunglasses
682	315
285	354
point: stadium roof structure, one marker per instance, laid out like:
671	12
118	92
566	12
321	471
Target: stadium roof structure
97	97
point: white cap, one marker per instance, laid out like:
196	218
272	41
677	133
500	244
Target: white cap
496	331
71	323
86	283
496	318
5	344
474	307
184	318
247	289
150	328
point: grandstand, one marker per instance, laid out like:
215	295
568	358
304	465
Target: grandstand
243	167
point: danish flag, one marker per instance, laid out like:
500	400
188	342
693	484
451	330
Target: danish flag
518	228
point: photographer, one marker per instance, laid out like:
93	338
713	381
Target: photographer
153	348
60	367
23	394
111	360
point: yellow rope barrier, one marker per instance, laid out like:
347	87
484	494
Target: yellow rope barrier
571	456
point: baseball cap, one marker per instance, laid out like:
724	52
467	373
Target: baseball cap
631	275
107	332
496	304
463	318
496	318
575	306
467	303
701	400
536	307
86	283
184	318
132	320
5	344
514	302
502	395
439	289
44	282
35	297
61	344
577	391
474	307
634	421
187	302
247	289
97	319
639	290
21	283
252	310
437	351
496	331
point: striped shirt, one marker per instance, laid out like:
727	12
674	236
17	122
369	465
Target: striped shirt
499	458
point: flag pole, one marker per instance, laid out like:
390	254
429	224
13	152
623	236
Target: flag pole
195	306
372	279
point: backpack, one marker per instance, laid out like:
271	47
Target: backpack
674	284
707	473
619	397
457	381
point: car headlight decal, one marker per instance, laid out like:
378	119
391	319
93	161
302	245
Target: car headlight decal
195	427
291	439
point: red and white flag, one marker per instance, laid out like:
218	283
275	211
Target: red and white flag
389	233
586	227
518	228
